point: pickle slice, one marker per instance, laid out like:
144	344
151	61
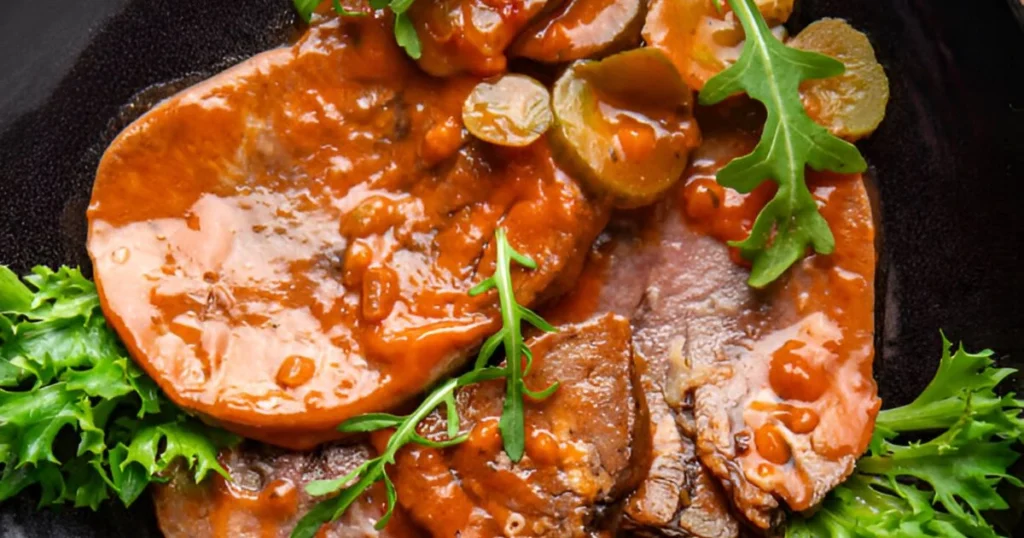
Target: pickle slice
624	125
514	110
850	105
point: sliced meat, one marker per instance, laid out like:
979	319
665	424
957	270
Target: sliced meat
471	36
678	496
768	394
585	446
291	243
267	497
779	383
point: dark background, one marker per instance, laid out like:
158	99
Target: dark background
948	161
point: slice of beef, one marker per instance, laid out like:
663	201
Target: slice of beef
768	393
679	496
774	386
267	497
291	243
585	446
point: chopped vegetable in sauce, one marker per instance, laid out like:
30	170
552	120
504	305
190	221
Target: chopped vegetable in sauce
702	37
582	29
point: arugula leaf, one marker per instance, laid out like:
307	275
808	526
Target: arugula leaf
405	35
348	488
405	31
770	72
77	417
306	8
938	487
372	471
513	430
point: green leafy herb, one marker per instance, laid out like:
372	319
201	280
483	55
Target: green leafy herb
405	32
77	418
770	72
938	487
511	338
348	488
306	8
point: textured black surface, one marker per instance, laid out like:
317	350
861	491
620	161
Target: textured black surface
949	161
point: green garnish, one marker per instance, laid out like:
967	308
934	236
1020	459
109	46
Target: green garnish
937	487
77	417
405	32
513	433
348	488
306	8
770	72
375	470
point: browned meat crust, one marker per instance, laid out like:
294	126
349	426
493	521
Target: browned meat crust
266	498
586	446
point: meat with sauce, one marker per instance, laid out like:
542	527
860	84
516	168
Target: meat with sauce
678	497
479	36
755	398
775	387
267	497
701	337
471	35
586	446
291	243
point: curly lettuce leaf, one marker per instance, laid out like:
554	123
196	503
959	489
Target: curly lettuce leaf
78	419
941	486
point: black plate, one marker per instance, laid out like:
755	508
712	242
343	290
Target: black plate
949	161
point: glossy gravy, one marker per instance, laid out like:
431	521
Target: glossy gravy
291	243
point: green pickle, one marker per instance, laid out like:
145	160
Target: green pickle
851	105
624	125
514	110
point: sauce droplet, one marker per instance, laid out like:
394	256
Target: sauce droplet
793	377
542	447
295	371
772	445
279	498
380	291
485	437
797	419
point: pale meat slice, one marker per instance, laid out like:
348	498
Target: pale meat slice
460	36
778	382
291	243
586	446
267	497
679	497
